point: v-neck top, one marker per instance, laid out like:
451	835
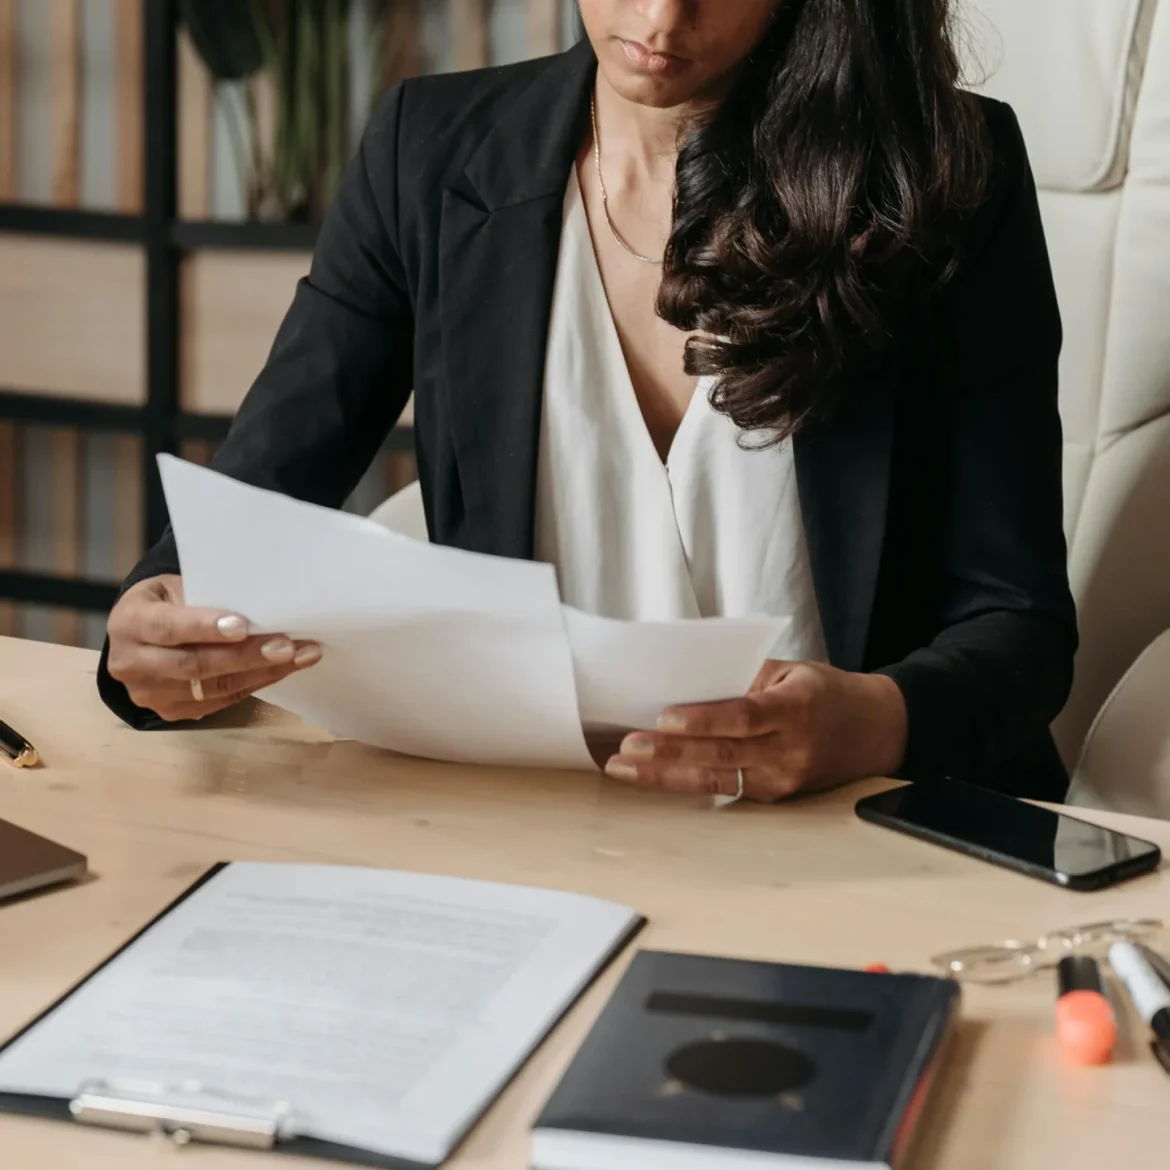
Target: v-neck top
716	530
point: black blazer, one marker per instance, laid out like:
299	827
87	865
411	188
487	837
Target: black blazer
932	503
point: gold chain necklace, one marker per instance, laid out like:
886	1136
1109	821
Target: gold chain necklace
604	195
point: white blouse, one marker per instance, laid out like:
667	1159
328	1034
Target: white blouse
715	531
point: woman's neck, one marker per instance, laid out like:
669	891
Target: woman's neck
639	143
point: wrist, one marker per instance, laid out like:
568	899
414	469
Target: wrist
888	725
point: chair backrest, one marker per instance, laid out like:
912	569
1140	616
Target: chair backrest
1126	762
403	513
1090	83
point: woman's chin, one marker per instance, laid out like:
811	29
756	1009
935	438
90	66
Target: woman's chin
655	93
657	89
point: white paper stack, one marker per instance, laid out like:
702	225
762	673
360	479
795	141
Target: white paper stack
437	652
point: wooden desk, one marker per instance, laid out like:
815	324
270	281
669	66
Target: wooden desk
805	882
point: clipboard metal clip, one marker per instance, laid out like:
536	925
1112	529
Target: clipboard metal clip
186	1112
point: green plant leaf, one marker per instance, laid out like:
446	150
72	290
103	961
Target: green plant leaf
225	36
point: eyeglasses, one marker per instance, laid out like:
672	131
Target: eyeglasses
1008	961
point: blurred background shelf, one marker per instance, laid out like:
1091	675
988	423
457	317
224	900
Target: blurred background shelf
69	412
189	235
71	224
46	589
153	226
246	236
88	415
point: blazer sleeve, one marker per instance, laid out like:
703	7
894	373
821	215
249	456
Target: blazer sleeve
339	373
1000	669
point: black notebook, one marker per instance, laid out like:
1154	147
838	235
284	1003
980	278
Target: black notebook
708	1064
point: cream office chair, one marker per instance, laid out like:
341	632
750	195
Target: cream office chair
403	512
1090	83
1125	764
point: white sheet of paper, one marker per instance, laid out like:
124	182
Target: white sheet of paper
628	672
431	651
387	1008
437	652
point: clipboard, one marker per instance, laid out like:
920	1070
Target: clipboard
117	1105
195	1112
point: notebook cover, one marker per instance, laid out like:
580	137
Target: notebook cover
806	1061
31	862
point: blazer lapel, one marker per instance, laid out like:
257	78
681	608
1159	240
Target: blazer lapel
498	246
843	477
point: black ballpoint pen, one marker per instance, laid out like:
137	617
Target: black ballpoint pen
16	748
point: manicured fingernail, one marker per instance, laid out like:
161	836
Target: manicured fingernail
672	723
638	747
232	626
277	650
307	655
620	771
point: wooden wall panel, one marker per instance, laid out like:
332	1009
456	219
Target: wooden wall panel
66	521
469	23
544	27
231	305
197	451
72	318
261	97
131	117
400	49
194	132
401	469
66	88
9	514
127	502
8	90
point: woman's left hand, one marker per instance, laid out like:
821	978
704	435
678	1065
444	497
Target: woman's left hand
803	726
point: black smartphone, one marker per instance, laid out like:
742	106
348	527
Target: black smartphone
1056	848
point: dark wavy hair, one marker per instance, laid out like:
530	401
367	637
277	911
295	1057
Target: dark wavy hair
820	205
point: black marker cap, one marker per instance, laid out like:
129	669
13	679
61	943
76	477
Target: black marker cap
1079	973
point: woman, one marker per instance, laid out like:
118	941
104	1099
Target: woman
804	363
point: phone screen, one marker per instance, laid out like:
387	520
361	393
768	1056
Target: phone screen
990	821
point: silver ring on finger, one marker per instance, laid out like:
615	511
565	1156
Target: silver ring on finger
197	690
723	801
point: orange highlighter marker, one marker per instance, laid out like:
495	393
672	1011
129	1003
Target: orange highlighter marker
1085	1027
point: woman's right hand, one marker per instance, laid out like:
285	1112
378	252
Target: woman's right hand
166	653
